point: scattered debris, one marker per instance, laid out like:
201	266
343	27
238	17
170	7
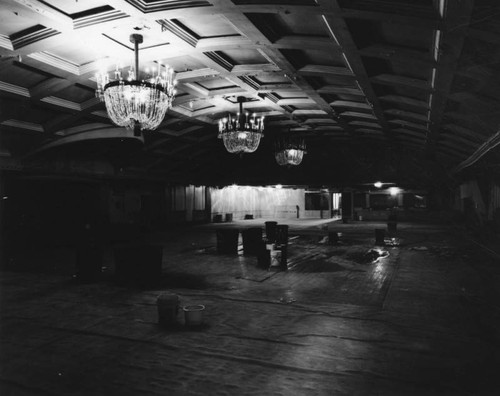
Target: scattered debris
324	240
420	248
392	242
288	300
370	257
376	254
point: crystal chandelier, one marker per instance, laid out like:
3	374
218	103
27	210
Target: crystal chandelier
135	103
290	151
242	133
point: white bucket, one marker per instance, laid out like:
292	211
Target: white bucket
193	314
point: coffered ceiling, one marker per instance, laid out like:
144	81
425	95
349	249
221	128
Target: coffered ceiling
379	89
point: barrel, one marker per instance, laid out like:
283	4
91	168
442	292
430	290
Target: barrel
271	231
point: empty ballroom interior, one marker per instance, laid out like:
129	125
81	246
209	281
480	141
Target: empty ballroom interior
246	197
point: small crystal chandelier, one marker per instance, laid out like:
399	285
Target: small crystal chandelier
290	151
241	134
135	103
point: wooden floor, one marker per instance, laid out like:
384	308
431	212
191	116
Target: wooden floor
418	316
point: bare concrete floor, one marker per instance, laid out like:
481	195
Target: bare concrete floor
422	319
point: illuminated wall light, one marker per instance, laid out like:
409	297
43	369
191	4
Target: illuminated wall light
378	184
278	186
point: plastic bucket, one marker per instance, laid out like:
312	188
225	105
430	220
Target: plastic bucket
193	315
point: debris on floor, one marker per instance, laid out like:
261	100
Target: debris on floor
286	300
372	256
392	242
323	240
419	248
376	254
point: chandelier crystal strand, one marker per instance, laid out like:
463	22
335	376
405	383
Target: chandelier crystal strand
241	134
138	103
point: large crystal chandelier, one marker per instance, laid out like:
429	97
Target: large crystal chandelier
135	103
290	151
241	133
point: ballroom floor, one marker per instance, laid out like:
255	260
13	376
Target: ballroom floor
419	315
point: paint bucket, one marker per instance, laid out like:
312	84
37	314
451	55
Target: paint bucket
168	307
276	258
193	315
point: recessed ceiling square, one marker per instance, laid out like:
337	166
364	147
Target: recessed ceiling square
76	93
24	76
184	63
208	26
301	58
243	57
12	23
75	7
366	33
78	54
215	83
271	78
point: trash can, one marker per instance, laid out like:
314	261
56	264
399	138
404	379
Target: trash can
252	238
282	234
271	230
168	308
218	218
193	315
229	217
227	241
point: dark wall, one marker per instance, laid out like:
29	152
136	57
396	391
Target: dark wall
51	213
